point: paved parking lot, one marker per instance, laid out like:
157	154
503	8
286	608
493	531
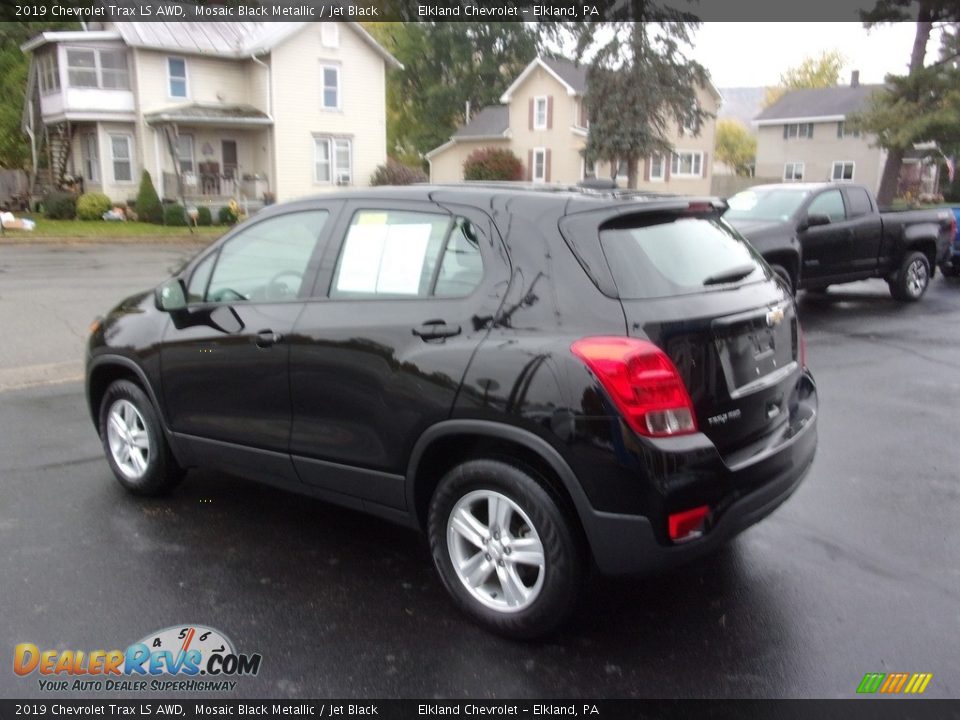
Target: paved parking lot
859	572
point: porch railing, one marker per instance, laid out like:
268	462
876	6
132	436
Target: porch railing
201	184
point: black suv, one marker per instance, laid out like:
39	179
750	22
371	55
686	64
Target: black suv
537	378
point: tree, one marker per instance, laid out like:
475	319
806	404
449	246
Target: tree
639	83
923	105
14	64
445	66
149	208
812	72
735	146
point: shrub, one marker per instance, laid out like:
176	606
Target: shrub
396	173
492	164
227	216
174	214
204	217
92	206
148	204
59	205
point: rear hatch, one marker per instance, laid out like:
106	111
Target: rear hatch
692	286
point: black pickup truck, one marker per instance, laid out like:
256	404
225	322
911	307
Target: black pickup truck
820	234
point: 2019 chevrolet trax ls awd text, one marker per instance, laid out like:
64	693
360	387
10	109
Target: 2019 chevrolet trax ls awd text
540	380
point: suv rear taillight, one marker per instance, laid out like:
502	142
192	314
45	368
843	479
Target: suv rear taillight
643	383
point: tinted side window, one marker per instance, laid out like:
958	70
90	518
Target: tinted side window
267	261
830	204
396	253
197	288
859	202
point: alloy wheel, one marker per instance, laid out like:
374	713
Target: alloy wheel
128	439
496	551
917	278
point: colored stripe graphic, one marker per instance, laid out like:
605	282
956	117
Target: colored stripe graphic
894	683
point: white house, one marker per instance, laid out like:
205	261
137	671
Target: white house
213	110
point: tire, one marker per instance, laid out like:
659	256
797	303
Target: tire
784	275
912	279
134	443
519	599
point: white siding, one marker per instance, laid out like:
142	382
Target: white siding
298	113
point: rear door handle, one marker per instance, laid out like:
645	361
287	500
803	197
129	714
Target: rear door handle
267	338
435	330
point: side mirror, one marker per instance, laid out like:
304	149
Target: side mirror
172	295
815	221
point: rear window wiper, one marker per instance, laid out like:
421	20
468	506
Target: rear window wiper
735	273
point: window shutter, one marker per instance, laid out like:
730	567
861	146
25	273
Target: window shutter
530	116
530	156
810	130
546	160
703	166
549	115
785	131
646	169
840	129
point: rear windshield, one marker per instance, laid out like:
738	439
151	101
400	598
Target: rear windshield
678	256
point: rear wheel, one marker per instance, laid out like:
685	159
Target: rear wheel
134	443
912	279
505	550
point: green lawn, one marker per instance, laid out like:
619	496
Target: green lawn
101	229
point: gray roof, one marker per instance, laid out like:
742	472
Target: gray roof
818	103
489	122
221	115
573	75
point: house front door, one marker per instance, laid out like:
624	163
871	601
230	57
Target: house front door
228	150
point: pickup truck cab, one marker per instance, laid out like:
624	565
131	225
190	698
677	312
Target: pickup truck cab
819	234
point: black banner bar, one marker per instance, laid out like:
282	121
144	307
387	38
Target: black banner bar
853	709
433	10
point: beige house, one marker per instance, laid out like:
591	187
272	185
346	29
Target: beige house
804	137
542	119
213	110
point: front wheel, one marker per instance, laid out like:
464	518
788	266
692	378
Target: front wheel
505	550
134	443
912	279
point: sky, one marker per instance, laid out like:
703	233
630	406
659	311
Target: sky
755	54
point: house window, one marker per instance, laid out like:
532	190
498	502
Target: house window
121	153
687	164
691	122
113	70
843	131
657	167
842	170
623	169
333	160
185	153
539	165
177	77
798	130
793	171
82	68
48	73
91	68
329	35
90	157
331	87
540	113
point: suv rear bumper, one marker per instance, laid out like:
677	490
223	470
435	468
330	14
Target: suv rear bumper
626	544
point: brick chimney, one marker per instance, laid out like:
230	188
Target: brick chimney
855	79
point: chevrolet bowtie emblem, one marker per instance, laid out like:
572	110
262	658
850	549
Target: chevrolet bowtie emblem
774	317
